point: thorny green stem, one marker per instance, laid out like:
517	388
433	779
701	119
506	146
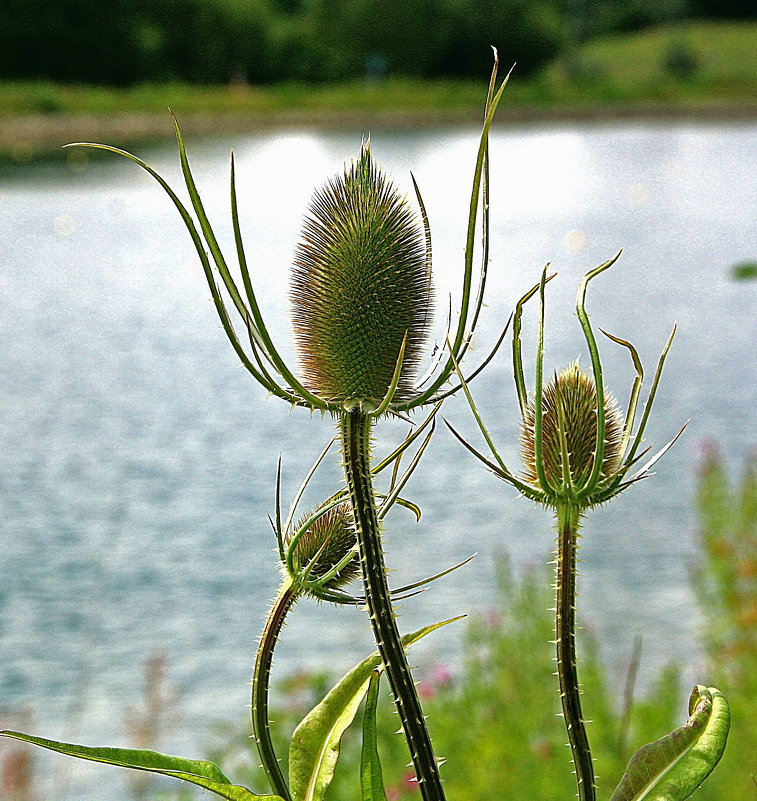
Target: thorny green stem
286	596
356	431
568	520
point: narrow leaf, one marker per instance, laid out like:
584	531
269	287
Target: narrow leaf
371	778
672	768
314	748
202	773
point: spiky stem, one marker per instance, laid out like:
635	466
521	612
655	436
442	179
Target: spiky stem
568	521
286	596
356	431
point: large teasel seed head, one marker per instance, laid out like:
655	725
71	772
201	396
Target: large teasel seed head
328	540
569	410
361	283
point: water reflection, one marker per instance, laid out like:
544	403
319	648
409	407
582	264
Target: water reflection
138	458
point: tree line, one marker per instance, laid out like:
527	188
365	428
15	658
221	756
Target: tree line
123	42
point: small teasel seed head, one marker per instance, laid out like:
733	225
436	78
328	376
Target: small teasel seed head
333	534
361	283
569	411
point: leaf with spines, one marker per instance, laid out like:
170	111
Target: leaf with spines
673	767
199	772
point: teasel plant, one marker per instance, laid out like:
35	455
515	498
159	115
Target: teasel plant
319	558
362	304
579	452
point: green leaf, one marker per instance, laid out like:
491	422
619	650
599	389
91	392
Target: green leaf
314	748
371	778
672	768
204	774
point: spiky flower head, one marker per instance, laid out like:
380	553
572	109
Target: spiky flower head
325	544
569	431
577	447
360	287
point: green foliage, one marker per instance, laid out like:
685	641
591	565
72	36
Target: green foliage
725	579
627	69
635	67
312	756
267	41
512	743
193	40
674	766
527	33
513	749
315	743
725	582
371	775
744	271
201	773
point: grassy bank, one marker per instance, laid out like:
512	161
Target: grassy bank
702	68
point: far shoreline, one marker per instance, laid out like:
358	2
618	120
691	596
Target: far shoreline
28	137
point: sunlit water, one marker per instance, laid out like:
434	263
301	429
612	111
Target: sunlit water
138	459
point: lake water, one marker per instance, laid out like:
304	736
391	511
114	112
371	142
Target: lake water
137	458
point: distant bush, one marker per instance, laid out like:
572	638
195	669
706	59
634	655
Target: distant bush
267	41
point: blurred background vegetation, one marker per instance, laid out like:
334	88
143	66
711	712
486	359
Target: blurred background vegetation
83	70
265	43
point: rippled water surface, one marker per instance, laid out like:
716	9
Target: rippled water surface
137	458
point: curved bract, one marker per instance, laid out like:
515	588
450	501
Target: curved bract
577	448
381	376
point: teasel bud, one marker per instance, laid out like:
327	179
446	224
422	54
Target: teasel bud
325	545
361	286
569	425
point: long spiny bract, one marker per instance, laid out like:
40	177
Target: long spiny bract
360	287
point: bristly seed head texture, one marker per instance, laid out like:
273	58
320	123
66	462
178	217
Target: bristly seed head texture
569	418
328	540
361	283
